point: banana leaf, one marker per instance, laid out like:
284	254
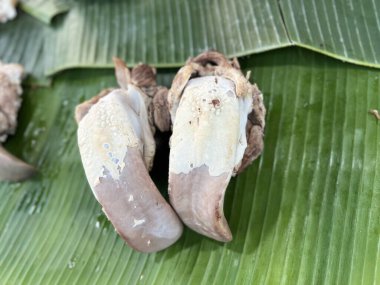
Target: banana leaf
167	33
306	212
44	10
22	41
162	33
347	30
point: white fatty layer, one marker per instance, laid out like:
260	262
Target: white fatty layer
210	127
104	135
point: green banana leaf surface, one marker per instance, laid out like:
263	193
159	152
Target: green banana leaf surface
22	40
45	10
165	33
306	212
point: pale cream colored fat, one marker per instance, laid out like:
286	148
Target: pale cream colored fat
209	127
107	131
